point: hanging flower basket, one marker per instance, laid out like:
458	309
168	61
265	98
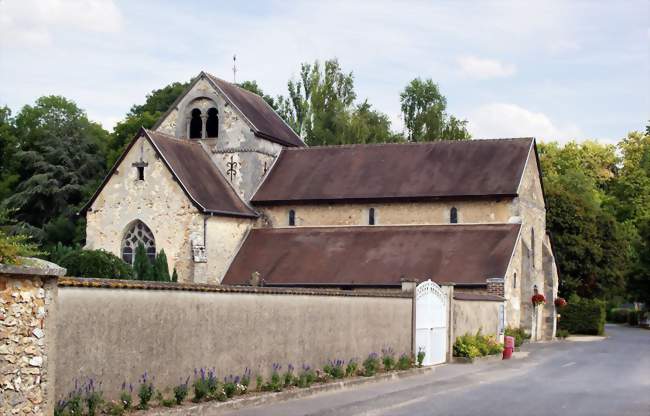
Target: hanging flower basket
560	302
538	299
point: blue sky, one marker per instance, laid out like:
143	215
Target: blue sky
556	70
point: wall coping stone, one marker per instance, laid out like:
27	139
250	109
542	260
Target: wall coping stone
201	287
32	267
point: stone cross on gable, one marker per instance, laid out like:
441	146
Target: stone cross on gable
140	164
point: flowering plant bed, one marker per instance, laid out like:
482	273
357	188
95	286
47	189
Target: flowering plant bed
206	388
538	299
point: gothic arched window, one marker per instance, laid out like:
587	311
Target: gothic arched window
292	217
453	216
212	123
138	233
196	125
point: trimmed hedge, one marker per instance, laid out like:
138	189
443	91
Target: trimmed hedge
95	263
583	316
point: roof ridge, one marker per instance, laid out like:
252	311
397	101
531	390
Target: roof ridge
234	84
352	145
383	227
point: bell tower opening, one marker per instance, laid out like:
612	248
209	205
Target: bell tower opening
196	124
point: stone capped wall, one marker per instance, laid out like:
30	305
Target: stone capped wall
26	343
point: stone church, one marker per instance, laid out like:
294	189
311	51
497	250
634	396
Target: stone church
229	191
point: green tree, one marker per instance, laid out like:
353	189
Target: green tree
160	267
424	110
143	115
320	107
638	280
142	267
8	147
59	161
174	276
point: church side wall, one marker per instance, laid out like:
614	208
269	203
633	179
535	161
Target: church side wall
158	201
530	207
388	213
224	237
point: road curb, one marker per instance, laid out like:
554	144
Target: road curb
256	399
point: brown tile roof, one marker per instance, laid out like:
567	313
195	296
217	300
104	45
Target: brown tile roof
475	168
477	297
374	255
266	122
195	172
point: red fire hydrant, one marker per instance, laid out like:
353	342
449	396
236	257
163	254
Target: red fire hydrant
508	347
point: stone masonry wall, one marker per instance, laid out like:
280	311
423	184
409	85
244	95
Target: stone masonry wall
27	305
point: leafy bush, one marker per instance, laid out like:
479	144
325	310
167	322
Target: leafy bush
351	368
562	333
518	334
95	263
145	392
420	357
404	362
479	345
388	358
618	315
371	365
335	368
306	377
583	316
633	318
180	391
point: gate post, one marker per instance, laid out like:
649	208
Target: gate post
450	323
409	285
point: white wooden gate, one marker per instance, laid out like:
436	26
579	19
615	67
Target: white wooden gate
431	322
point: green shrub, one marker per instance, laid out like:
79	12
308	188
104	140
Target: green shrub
351	368
371	365
561	333
618	315
420	357
388	358
478	345
518	334
404	362
583	316
633	318
95	263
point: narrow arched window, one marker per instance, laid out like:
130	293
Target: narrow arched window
196	124
453	216
371	216
212	124
292	218
514	281
138	233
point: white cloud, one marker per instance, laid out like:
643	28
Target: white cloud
509	120
32	22
481	68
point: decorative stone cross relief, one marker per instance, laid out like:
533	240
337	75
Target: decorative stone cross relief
232	168
140	164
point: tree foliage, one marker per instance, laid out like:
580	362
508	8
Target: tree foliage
142	267
424	110
94	263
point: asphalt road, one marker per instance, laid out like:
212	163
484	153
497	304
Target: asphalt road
598	377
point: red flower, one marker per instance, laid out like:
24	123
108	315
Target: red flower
538	299
560	302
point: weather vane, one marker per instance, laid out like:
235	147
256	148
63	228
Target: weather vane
234	68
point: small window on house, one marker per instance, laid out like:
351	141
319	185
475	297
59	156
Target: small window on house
371	216
292	218
212	124
196	124
140	173
453	216
514	281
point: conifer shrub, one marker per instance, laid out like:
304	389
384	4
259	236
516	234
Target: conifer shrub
142	267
